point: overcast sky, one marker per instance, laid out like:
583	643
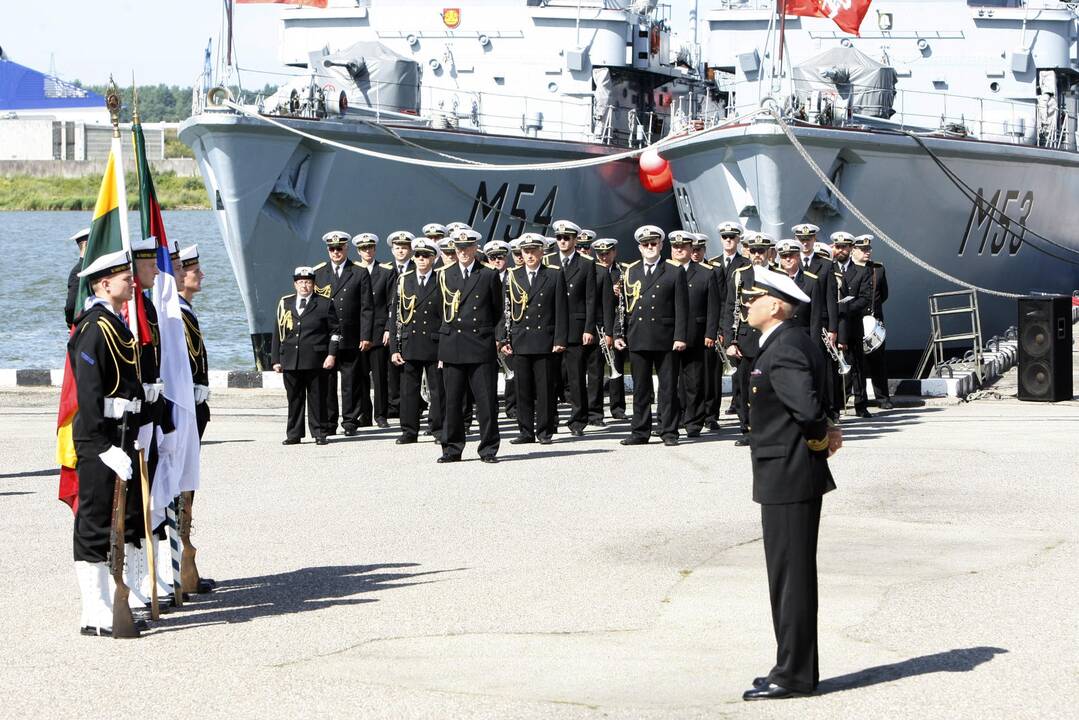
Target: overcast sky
161	40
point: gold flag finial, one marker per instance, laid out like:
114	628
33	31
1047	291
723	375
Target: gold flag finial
134	100
113	102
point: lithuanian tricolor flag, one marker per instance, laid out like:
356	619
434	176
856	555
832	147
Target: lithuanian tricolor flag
108	233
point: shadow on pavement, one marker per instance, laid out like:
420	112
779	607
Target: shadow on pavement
16	492
244	599
959	660
224	442
547	454
51	472
884	421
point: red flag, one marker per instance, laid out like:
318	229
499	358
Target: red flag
847	14
308	3
65	447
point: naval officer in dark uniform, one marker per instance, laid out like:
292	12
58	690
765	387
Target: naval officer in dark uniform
349	287
303	348
808	316
533	336
80	239
655	332
580	278
702	324
855	303
790	445
415	319
381	276
876	366
744	341
725	264
471	308
104	358
611	311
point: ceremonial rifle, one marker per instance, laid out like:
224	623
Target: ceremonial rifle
151	560
189	572
123	623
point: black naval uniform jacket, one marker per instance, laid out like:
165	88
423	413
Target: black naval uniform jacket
418	338
789	442
200	364
352	301
811	315
302	342
660	315
579	275
545	320
382	279
469	335
702	287
724	278
824	269
606	300
878	281
858	284
72	293
747	336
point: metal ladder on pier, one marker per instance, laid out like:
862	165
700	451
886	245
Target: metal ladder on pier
942	307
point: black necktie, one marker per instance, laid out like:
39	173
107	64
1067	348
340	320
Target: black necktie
648	270
466	271
337	271
303	305
531	278
423	280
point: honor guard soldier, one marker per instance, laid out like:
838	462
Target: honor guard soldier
744	336
349	287
791	444
496	252
80	239
580	278
189	276
612	311
876	362
856	301
532	336
808	316
400	242
702	323
655	332
725	264
378	357
303	348
104	358
472	306
415	317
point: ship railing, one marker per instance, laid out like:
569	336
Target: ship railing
1019	122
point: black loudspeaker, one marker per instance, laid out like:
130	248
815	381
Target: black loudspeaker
1045	349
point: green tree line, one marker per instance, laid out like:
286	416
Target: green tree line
161	103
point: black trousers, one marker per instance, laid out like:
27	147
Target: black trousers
790	553
856	376
877	370
93	518
665	365
480	377
713	384
393	387
379	361
349	366
594	381
736	385
537	408
511	396
575	361
411	375
362	388
616	387
134	523
741	381
306	387
202	417
692	387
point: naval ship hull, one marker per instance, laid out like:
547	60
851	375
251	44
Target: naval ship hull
752	172
276	193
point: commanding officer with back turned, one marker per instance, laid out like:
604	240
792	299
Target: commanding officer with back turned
415	319
303	347
790	446
104	358
471	308
656	305
349	287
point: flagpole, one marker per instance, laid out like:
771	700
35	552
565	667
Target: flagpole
782	9
113	103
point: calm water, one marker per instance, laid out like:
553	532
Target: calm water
36	256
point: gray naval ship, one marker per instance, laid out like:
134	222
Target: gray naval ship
378	84
991	90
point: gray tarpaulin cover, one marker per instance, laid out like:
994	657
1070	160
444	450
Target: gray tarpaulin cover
864	84
372	65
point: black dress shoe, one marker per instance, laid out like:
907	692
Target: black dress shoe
634	441
545	441
381	422
742	441
511	415
206	585
759	682
693	433
730	411
488	459
618	416
449	459
596	423
291	441
321	441
95	631
770	691
657	433
351	432
712	425
886	404
363	422
522	441
670	442
405	440
862	413
576	431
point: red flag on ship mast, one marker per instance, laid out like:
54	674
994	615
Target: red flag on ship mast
847	14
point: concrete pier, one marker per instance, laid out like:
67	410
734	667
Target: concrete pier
587	580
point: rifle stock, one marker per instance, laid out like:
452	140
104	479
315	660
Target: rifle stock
151	560
189	572
123	624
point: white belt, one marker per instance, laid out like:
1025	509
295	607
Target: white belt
116	407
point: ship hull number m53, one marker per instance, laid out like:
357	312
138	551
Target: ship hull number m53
994	222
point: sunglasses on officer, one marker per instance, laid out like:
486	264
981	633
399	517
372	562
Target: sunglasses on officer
648	243
728	236
757	251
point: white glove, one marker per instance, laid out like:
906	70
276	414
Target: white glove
166	443
115	407
118	461
202	394
152	391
